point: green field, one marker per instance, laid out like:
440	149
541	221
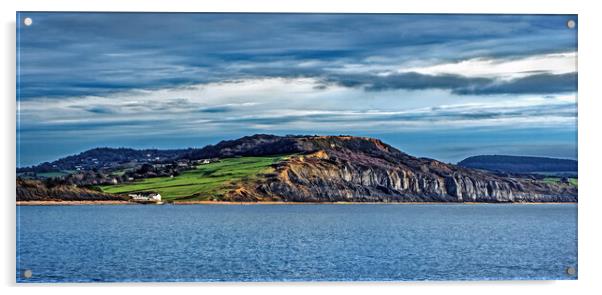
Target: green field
572	181
203	183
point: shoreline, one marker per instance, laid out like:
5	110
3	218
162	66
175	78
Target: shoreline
72	203
117	202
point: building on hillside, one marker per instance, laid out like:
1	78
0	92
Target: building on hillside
145	197
205	161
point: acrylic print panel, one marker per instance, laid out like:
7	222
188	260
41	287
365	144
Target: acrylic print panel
296	147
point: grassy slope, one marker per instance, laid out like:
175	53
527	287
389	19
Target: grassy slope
205	182
572	181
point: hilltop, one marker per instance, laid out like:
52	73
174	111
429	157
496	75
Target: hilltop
520	164
104	157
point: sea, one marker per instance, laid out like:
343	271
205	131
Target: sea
313	242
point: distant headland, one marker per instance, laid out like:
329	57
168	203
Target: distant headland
275	169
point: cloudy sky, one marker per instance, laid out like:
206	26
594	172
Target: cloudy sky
439	86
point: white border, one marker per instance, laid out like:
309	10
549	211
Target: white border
590	23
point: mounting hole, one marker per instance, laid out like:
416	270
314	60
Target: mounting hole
27	273
571	271
28	21
571	24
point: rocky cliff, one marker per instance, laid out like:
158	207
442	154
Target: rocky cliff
356	169
35	190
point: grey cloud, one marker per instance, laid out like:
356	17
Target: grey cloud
100	110
535	84
539	84
104	53
476	114
216	109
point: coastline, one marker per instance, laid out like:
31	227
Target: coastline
72	203
115	202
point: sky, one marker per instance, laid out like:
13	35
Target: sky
440	86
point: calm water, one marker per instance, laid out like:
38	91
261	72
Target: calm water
296	242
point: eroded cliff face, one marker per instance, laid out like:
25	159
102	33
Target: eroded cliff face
35	190
338	168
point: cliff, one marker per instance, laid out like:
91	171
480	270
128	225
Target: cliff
356	169
35	190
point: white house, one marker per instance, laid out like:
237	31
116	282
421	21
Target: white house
204	161
145	197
